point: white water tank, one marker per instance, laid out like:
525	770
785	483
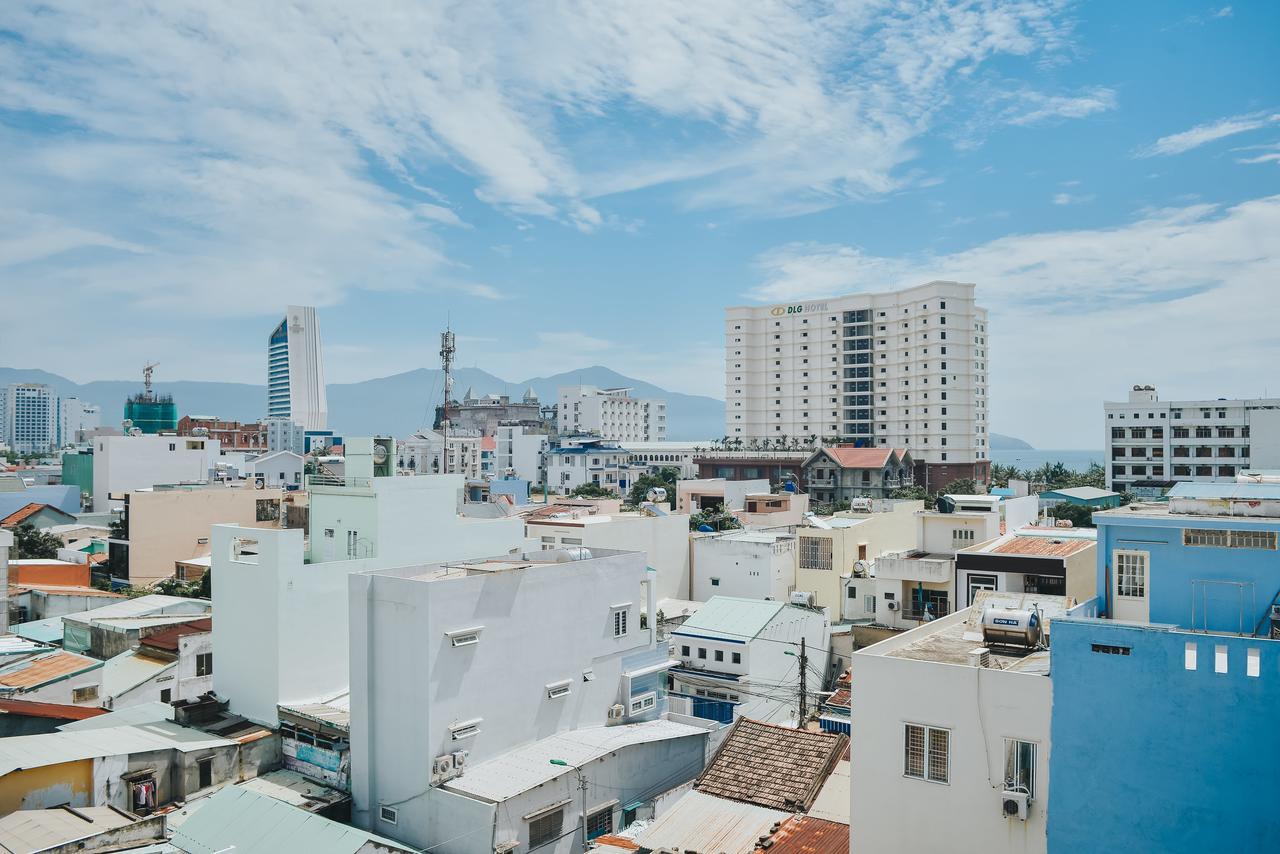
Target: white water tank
1011	627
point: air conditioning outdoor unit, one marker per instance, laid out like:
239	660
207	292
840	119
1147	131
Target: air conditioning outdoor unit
442	768
891	605
1014	804
617	712
459	760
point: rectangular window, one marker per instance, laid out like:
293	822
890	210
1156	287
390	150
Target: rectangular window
1110	649
815	553
1220	658
388	814
684	651
600	823
702	652
1253	540
83	695
1205	537
1020	766
619	622
204	664
1253	662
927	753
719	655
546	828
737	658
1131	574
1189	655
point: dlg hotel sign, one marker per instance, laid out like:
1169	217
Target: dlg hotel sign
804	308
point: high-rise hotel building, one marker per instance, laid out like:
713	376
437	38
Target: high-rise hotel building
295	370
901	369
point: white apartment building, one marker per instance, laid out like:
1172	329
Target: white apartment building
1152	444
949	728
126	463
29	418
744	564
489	669
660	455
612	413
580	460
428	452
519	452
76	416
899	369
295	370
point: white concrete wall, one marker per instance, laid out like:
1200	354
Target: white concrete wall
126	463
188	685
936	531
724	566
663	539
541	625
770	665
1020	511
279	469
981	708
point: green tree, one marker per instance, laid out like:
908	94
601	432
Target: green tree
1002	474
591	490
664	478
716	518
28	543
1079	515
962	486
910	493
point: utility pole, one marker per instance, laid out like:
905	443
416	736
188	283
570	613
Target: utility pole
447	350
804	698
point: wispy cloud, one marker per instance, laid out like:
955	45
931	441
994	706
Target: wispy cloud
1036	107
1072	198
1204	134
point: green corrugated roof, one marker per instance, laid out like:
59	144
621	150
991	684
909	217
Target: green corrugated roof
735	619
251	823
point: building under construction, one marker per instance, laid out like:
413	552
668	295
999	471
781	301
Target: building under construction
150	412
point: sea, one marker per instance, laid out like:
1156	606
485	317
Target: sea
1029	458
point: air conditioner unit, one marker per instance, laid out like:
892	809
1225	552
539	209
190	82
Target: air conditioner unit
459	760
441	768
891	605
802	598
617	712
1014	804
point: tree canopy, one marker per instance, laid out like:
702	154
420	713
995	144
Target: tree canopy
28	543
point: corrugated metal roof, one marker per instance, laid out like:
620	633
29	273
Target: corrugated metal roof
833	801
37	751
42	669
128	670
1084	493
154	604
252	823
525	767
142	713
47	630
294	789
1241	491
772	766
1042	546
804	834
731	617
168	638
56	711
699	822
30	831
16	645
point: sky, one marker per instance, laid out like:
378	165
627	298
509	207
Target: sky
577	183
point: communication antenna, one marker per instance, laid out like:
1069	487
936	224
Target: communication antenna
146	376
447	349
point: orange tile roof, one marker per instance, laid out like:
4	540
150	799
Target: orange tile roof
858	458
839	698
17	517
57	711
63	590
616	842
805	834
1043	546
488	443
37	671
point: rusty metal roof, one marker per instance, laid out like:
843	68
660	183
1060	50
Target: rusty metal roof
804	834
168	639
771	766
57	711
45	668
1043	546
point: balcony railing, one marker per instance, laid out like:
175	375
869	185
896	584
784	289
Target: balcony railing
334	480
916	611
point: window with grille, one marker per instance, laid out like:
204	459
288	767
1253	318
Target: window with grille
1253	540
962	536
619	622
1020	766
600	823
815	553
927	754
546	828
1205	537
1131	574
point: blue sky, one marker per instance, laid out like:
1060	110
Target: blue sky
579	183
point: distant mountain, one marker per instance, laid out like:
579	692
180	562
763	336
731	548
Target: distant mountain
398	404
1008	443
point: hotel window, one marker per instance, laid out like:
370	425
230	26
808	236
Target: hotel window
1020	766
927	753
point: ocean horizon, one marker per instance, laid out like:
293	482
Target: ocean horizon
1034	458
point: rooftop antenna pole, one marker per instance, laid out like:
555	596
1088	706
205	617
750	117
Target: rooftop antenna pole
146	376
447	350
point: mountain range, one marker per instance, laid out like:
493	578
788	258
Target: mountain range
399	404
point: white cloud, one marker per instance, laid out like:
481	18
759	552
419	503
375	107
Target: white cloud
1072	198
1204	134
1076	315
1035	107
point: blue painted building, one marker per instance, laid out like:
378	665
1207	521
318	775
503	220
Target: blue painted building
1166	687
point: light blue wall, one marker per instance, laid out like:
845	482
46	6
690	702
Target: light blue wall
65	497
1149	756
1174	567
518	489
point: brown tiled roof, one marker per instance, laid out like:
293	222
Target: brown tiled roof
859	458
616	842
57	711
771	766
839	698
17	517
37	671
804	834
168	639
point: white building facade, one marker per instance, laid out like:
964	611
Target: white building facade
899	369
75	417
1151	444
429	452
29	418
519	452
581	460
745	564
611	413
126	463
295	370
660	455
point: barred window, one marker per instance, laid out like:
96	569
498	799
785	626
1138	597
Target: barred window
1131	574
927	753
546	828
815	553
1205	537
1253	540
1020	766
